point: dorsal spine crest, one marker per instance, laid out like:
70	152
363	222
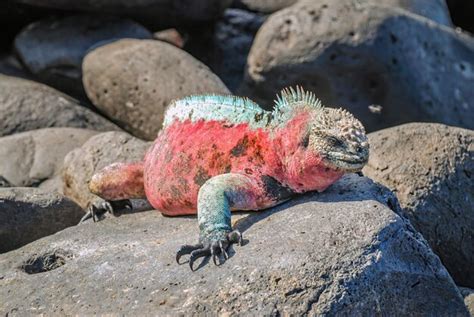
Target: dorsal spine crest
216	107
291	98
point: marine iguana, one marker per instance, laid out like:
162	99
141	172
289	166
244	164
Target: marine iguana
216	154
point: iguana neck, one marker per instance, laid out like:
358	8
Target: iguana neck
301	169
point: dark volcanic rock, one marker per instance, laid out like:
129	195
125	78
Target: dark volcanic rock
338	253
132	81
34	157
53	49
155	13
358	55
224	46
26	105
98	152
27	214
430	168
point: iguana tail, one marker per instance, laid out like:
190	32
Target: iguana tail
119	181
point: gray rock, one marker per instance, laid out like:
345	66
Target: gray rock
98	152
264	6
155	13
29	159
430	168
132	81
224	47
386	65
53	49
468	295
338	253
27	214
26	105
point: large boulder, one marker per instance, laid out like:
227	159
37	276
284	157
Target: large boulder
343	252
224	46
27	214
35	158
385	64
430	168
153	13
53	49
98	152
26	105
132	81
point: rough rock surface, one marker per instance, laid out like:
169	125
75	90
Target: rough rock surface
225	46
26	105
98	152
155	13
132	81
29	159
27	214
53	49
264	6
363	56
342	252
430	168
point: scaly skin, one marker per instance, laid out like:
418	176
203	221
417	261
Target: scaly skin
216	154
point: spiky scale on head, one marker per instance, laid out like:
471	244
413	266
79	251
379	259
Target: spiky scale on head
335	134
290	98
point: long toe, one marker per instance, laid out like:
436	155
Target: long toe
187	249
85	217
196	254
107	206
223	249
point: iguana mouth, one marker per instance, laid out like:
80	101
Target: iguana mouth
347	162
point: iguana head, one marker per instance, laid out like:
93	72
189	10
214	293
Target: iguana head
333	135
339	139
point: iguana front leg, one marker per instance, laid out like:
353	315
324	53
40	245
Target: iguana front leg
216	198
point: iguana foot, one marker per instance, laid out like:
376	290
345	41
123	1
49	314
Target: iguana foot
210	247
98	208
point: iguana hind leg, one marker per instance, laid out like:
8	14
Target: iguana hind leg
217	197
115	185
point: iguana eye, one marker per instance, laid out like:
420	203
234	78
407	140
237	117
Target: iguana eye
334	142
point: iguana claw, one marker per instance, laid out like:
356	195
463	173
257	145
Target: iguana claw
214	249
99	208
